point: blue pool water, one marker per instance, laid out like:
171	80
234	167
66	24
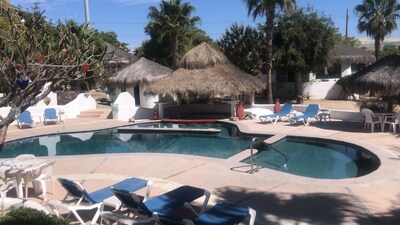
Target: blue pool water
317	158
221	145
306	157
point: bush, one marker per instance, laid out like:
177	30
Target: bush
28	216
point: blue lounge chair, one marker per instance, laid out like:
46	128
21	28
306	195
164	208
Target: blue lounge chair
78	198
286	108
311	112
224	213
50	114
25	118
163	205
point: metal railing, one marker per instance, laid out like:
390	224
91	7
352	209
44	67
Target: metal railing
254	167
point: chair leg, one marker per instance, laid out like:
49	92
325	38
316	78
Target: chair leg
44	189
96	216
52	186
26	189
78	217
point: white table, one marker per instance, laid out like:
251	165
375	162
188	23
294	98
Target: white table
324	114
17	169
383	115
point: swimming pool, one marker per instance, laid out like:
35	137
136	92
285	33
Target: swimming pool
317	158
224	144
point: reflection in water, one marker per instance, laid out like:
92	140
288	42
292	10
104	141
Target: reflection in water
221	145
50	143
82	136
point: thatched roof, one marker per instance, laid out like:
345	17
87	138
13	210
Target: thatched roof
142	70
205	71
349	54
381	77
116	55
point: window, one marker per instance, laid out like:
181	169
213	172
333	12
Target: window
335	71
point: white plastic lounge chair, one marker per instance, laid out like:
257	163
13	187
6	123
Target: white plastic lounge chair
159	206
50	114
371	119
311	112
80	199
392	121
286	108
25	118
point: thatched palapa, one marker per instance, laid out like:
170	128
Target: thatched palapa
206	72
142	70
382	77
116	55
350	55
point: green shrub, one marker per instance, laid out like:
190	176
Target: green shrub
28	216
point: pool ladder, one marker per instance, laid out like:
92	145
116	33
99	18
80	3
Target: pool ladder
254	167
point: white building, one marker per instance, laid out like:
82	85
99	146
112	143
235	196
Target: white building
321	84
135	78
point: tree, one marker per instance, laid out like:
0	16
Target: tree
267	8
33	53
351	41
304	40
111	38
168	25
378	19
242	46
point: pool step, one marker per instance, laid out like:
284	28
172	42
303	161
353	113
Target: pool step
101	113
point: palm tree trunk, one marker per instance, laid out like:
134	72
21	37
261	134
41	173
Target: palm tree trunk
269	30
3	135
174	49
377	47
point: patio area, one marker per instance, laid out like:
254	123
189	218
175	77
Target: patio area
278	198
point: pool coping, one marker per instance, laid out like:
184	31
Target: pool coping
358	192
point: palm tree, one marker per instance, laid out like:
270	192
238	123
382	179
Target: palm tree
172	20
378	19
267	8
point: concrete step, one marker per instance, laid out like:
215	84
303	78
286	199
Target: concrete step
95	113
88	116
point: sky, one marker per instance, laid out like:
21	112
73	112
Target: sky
128	18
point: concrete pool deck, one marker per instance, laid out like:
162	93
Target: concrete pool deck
278	198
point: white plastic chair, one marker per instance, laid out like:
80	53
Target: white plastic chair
371	119
7	183
39	176
393	121
46	175
24	157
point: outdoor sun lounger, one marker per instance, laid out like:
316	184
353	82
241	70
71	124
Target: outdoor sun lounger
286	108
311	112
82	200
224	213
25	118
160	206
50	114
